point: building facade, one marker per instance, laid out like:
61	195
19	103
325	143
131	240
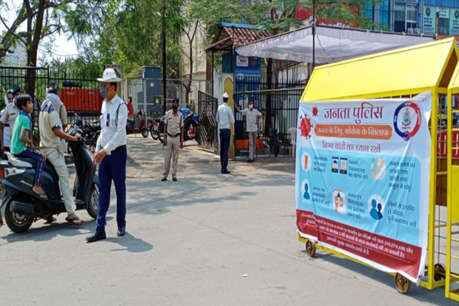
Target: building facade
428	17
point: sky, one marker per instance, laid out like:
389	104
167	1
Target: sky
61	48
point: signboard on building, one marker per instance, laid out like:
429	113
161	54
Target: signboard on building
362	180
428	25
242	61
454	21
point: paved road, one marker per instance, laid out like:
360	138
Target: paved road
206	240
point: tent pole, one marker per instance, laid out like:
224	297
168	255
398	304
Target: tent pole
313	35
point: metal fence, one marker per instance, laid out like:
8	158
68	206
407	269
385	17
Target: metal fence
147	94
35	81
208	130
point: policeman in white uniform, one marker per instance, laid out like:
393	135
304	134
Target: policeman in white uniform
111	154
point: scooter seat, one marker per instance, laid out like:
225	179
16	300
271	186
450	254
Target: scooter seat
16	162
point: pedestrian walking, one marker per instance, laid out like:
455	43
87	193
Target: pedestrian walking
173	141
252	116
225	120
111	154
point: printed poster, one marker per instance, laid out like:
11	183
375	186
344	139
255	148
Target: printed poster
362	180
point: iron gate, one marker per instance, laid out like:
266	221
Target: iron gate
279	107
207	132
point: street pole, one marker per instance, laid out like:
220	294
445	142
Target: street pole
313	35
164	58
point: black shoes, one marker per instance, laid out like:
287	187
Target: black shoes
121	232
226	172
164	179
251	160
174	179
99	235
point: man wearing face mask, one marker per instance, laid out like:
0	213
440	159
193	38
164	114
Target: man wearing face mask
111	154
252	116
174	140
53	147
8	117
52	95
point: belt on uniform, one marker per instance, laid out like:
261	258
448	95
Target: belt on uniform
173	136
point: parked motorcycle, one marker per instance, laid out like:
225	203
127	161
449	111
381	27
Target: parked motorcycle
157	129
190	124
22	207
139	124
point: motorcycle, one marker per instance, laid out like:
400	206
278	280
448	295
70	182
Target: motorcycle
157	129
21	206
190	124
140	124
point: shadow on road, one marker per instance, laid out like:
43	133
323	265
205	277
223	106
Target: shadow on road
422	295
43	232
130	244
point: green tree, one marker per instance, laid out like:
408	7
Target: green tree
42	18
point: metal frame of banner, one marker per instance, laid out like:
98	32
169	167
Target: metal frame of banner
441	242
451	277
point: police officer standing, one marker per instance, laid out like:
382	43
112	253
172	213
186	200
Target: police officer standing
225	120
174	140
111	154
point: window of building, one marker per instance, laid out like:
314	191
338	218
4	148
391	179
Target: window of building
399	16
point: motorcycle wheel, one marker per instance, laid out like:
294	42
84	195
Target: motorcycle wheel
154	133
18	223
93	203
144	133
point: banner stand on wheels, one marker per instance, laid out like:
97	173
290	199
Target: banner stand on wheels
373	162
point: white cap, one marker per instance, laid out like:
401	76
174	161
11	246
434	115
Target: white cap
225	95
109	76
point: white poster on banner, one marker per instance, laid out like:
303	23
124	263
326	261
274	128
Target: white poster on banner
362	179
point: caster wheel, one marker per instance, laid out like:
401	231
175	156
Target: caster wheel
402	284
311	249
439	272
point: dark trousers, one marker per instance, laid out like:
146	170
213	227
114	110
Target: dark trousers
225	137
113	168
39	163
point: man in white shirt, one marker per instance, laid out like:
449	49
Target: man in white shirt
53	147
111	154
8	117
225	119
252	117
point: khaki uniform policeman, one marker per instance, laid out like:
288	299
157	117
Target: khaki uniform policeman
174	141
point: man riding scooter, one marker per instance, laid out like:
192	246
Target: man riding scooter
53	147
